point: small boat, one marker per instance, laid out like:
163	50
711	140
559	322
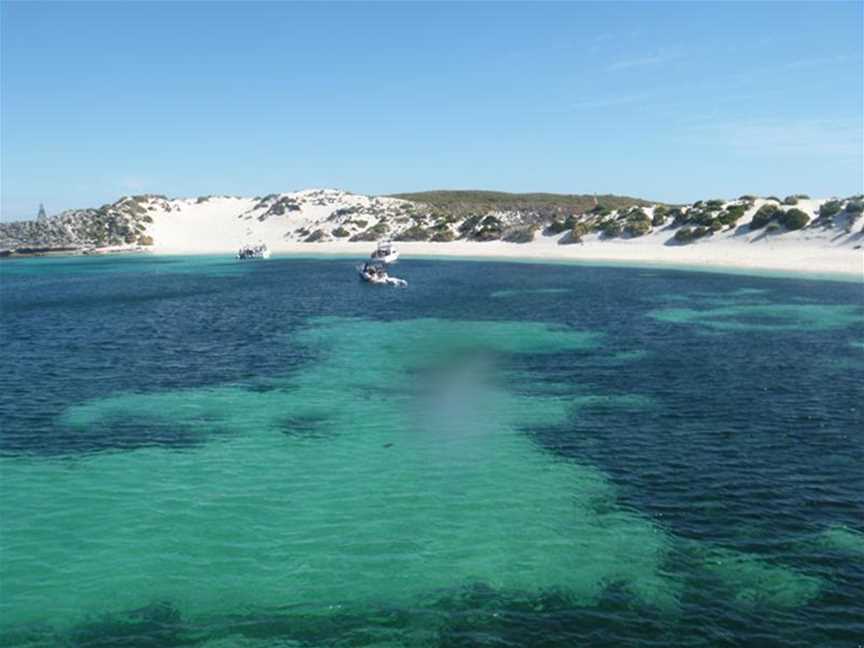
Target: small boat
385	253
375	273
254	252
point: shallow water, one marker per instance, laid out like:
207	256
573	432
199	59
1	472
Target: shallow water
201	452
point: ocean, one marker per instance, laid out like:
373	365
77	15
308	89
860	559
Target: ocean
196	451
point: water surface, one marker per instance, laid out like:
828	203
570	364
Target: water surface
202	452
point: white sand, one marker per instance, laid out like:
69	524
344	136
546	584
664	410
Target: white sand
223	224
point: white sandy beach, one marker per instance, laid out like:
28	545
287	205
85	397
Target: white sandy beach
214	227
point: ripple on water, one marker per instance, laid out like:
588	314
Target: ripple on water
422	484
766	317
412	485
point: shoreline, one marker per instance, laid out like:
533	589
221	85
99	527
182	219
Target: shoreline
763	259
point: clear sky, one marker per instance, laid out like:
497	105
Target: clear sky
666	101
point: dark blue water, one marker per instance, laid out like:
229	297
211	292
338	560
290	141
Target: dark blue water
724	410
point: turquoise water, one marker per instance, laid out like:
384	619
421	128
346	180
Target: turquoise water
201	452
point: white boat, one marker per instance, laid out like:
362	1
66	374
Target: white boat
385	253
375	273
254	252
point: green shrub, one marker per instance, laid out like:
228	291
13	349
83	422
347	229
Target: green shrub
489	229
772	228
637	223
854	207
522	234
714	205
360	223
443	236
677	215
374	233
341	232
790	200
774	198
802	196
658	220
794	219
764	215
315	236
611	228
830	208
468	225
702	218
579	230
731	214
747	198
684	235
556	227
414	233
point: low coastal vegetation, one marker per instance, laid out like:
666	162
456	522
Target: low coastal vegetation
439	216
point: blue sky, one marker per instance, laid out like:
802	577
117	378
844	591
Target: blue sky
665	101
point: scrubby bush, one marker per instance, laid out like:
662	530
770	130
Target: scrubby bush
443	236
684	235
659	217
414	233
374	233
687	234
794	219
578	231
700	217
489	229
854	207
764	215
790	200
315	236
682	216
637	223
601	210
802	196
468	225
747	198
522	234
555	227
611	228
774	198
731	214
714	205
145	240
772	228
677	216
341	232
830	208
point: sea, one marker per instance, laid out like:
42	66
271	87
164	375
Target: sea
197	451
